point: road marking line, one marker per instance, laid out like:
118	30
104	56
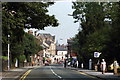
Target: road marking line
55	73
87	75
60	77
25	75
22	76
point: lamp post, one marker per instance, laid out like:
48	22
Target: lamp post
8	53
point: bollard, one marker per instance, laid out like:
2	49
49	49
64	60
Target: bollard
96	68
90	64
16	63
82	65
77	64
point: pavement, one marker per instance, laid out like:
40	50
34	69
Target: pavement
14	74
98	74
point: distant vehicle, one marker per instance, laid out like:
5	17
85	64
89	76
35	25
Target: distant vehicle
61	62
46	63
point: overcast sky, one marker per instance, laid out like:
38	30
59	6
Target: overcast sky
67	27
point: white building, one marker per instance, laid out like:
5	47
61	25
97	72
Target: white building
61	52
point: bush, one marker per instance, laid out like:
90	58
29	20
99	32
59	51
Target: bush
4	57
22	58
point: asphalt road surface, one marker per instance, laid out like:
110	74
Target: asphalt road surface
55	72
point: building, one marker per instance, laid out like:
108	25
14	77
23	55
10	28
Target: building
48	43
61	52
30	32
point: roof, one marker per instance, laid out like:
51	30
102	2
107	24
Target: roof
48	42
44	46
61	48
45	36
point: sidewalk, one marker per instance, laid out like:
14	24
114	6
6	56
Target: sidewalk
15	73
106	76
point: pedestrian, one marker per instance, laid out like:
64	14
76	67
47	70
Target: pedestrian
33	63
65	63
44	60
57	60
98	65
73	62
103	66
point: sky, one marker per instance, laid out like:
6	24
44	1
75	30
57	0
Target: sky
67	28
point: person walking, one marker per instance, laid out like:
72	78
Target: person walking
65	63
103	66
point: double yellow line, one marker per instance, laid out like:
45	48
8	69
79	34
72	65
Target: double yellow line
87	75
25	75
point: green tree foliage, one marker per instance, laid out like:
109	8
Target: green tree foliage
75	45
98	22
19	15
114	45
31	46
91	16
34	14
21	58
16	16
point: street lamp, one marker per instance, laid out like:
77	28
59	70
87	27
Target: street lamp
8	53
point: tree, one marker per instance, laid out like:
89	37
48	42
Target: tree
31	47
91	16
16	16
19	15
98	22
114	45
32	13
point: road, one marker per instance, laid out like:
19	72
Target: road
55	72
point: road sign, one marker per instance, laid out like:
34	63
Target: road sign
96	54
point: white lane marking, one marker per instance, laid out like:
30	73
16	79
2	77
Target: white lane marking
55	73
60	77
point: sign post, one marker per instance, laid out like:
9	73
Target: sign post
97	55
